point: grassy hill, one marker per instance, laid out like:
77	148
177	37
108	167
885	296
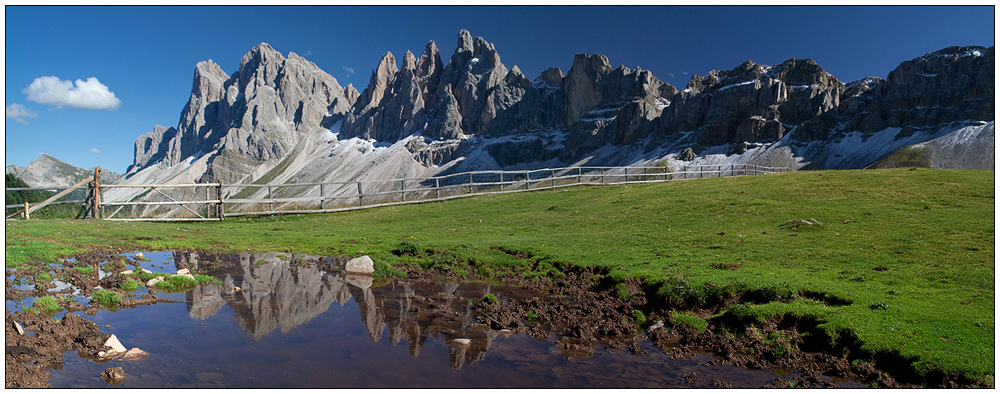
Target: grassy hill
900	260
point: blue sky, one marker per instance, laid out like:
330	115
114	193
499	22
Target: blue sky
120	70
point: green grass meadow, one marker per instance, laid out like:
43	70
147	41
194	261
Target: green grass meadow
900	260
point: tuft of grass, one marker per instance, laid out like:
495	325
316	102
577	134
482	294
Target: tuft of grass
690	321
207	278
491	299
46	304
129	285
639	317
175	283
106	297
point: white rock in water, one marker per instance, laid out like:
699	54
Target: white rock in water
463	341
360	265
115	345
134	353
154	281
139	256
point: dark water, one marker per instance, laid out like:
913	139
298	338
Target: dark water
309	327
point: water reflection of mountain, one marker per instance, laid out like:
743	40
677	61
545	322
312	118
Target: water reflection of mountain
286	290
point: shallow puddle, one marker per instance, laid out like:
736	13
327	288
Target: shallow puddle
298	322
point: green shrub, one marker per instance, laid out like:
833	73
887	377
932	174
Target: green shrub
106	297
491	298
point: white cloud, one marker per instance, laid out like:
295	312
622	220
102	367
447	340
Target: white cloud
18	112
95	150
348	69
89	94
685	73
671	74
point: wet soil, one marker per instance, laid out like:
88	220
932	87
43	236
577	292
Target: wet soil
581	310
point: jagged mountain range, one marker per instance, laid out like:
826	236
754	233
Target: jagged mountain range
282	119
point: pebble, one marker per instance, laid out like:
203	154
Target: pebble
463	341
20	330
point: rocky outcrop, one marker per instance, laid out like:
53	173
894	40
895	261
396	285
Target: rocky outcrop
255	115
753	102
950	85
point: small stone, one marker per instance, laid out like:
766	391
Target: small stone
183	271
107	326
134	353
139	256
114	375
659	324
18	328
125	272
115	345
146	270
463	341
360	265
154	281
237	288
506	331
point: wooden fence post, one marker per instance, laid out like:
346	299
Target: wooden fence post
96	193
208	205
270	202
25	210
219	209
322	201
360	201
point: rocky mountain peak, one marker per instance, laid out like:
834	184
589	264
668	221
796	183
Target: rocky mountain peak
260	66
553	75
430	62
464	41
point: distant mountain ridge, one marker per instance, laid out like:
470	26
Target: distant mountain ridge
47	171
281	119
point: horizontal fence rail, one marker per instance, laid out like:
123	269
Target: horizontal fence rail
216	201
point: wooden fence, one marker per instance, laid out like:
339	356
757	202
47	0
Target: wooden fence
224	200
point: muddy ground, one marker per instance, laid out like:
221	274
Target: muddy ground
581	309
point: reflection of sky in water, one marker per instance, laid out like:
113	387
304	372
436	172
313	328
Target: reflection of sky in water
221	338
